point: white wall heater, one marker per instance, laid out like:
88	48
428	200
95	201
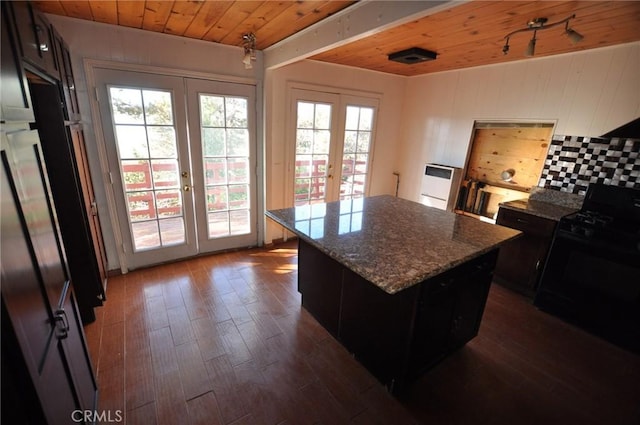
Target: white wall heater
440	185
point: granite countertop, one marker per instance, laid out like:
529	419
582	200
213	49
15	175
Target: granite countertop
392	242
539	208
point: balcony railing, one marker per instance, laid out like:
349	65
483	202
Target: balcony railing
314	184
168	197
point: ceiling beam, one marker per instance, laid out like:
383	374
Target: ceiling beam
357	21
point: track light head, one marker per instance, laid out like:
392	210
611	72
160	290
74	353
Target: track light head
531	47
574	36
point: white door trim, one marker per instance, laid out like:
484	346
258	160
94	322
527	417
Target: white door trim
343	98
90	65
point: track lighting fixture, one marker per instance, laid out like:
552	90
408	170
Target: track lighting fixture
249	45
540	24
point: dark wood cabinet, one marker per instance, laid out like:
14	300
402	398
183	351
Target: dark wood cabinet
63	151
76	135
67	80
52	274
35	37
321	286
16	99
521	260
378	328
449	311
45	360
396	337
38	87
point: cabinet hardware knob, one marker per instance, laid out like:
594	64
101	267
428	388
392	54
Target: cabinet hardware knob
61	318
187	188
44	47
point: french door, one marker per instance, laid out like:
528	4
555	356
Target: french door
181	155
223	151
333	146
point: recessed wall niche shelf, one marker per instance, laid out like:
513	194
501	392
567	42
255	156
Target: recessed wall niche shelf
504	161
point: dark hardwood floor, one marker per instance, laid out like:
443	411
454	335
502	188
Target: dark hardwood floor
222	339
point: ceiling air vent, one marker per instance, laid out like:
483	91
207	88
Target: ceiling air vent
413	55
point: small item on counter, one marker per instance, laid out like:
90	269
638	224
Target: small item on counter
462	198
471	197
482	202
478	196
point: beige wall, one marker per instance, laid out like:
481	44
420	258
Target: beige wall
587	93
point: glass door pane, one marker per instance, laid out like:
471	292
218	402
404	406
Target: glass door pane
333	138
312	164
222	127
225	146
145	137
356	151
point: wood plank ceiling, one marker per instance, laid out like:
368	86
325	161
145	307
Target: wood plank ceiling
217	21
466	35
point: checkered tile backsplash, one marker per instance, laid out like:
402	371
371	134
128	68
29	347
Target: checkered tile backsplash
573	162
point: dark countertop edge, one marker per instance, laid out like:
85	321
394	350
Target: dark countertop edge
408	283
528	207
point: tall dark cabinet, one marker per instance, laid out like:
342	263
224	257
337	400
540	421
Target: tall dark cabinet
52	263
40	86
46	368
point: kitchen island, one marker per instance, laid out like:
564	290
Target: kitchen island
399	284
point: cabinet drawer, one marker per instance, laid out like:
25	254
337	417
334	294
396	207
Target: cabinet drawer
527	223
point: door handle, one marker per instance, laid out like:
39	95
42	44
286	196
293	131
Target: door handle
62	323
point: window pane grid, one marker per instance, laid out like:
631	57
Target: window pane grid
225	144
147	147
313	137
355	157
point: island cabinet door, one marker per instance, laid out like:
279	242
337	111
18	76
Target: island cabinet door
432	330
449	311
471	292
320	284
376	327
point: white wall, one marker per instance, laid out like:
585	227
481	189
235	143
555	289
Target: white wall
337	79
421	119
587	94
90	40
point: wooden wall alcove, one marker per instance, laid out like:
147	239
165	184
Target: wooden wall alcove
498	147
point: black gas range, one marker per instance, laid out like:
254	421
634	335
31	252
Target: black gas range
592	274
619	233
